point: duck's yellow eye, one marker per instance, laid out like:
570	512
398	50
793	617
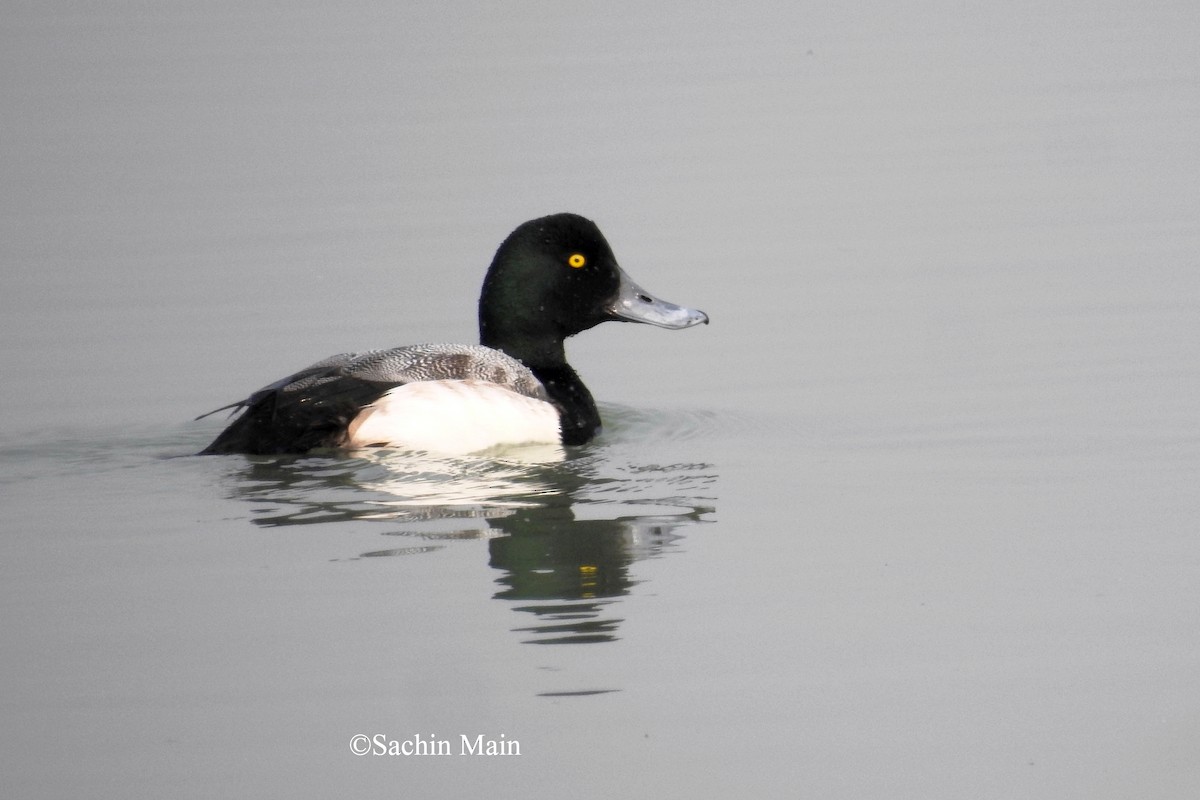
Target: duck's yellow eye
576	260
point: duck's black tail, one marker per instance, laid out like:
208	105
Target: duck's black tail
277	422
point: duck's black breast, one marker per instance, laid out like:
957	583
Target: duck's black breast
579	419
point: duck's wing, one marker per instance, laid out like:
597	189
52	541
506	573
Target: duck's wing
293	382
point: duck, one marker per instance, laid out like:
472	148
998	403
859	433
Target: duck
551	278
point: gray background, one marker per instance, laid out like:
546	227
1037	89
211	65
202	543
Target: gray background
915	516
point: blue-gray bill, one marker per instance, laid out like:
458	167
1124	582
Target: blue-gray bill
635	304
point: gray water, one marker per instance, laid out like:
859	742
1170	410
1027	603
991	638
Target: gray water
916	516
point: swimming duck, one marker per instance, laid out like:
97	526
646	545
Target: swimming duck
550	279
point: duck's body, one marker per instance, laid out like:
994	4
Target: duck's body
551	278
455	398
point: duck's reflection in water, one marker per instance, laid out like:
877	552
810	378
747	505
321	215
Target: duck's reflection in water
562	535
572	569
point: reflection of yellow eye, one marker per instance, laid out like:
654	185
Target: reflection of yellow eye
576	260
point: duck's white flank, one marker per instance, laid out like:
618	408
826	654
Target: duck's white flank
454	416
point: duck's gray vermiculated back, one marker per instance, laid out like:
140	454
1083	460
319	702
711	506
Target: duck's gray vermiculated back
423	362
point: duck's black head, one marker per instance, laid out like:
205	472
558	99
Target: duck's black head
554	277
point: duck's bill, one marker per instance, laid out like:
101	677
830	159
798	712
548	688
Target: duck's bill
635	304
